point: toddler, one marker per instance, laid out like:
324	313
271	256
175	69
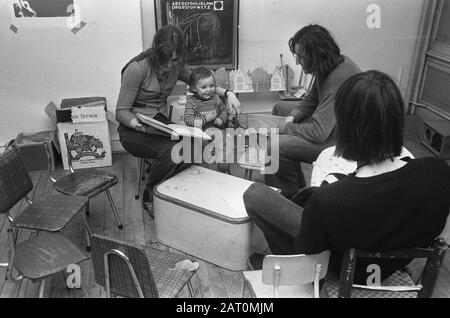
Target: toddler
204	109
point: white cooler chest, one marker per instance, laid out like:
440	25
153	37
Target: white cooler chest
201	212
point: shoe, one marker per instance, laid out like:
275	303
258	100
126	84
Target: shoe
147	203
256	261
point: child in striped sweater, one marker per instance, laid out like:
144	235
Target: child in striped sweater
204	109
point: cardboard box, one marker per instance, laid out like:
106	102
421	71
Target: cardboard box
64	113
32	150
89	144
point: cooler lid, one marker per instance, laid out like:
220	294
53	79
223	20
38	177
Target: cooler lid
206	191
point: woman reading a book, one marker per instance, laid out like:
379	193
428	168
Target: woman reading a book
147	81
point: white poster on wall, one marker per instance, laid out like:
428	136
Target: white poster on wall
45	13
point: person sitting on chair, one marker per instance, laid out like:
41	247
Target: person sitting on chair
147	81
309	126
386	204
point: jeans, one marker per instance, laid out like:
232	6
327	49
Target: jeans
278	218
284	108
293	150
155	147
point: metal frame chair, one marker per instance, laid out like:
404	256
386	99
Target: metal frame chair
403	286
288	276
86	182
45	254
129	270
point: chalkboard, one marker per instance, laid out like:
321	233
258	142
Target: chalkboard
209	29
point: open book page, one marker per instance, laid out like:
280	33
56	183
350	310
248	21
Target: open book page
188	131
174	129
263	121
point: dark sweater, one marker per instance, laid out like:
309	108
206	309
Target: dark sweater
405	208
314	118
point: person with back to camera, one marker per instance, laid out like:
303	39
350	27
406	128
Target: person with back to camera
309	126
386	204
147	81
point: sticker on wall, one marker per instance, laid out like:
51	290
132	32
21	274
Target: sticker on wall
13	28
78	27
48	13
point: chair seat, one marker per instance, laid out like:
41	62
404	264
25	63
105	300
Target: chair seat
260	290
89	182
399	278
51	214
46	254
168	280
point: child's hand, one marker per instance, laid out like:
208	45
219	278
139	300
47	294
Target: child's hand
210	116
218	122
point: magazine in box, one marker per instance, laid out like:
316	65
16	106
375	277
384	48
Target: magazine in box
89	144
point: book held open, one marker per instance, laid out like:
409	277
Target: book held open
174	129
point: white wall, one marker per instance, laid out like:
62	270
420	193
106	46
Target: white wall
43	64
267	25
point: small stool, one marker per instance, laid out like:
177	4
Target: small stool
250	165
249	170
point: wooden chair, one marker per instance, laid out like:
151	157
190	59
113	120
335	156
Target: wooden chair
44	254
130	270
86	182
400	284
288	276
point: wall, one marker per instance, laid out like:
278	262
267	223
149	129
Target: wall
43	64
267	25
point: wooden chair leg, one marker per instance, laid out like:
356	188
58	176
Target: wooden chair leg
140	177
113	207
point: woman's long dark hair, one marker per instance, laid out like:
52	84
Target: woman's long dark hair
166	41
321	52
369	118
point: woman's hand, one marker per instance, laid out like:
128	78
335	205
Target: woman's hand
136	125
234	102
289	119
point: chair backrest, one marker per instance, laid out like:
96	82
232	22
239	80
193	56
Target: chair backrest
290	270
434	256
126	270
15	183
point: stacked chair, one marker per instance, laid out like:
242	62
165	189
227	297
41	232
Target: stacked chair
43	255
